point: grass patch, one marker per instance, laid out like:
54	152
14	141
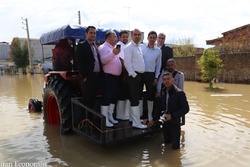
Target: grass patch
215	88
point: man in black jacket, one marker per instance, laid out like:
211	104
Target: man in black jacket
175	105
89	66
167	52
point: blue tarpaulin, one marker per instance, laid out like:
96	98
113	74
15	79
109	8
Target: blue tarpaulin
70	32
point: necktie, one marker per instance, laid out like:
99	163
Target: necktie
97	57
167	96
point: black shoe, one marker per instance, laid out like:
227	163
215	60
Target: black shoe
167	141
175	147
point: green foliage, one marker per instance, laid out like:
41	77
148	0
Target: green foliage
184	47
215	89
19	55
211	66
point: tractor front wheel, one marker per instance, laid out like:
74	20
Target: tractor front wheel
34	105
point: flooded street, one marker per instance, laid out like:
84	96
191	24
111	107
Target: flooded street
217	132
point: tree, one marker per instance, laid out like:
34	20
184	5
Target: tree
211	66
184	47
19	54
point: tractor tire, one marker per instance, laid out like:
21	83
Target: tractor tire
57	104
34	105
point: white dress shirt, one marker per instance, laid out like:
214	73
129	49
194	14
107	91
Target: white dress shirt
133	59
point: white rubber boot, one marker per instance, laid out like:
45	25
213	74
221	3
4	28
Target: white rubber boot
150	110
141	107
110	114
127	109
104	111
136	118
130	115
120	107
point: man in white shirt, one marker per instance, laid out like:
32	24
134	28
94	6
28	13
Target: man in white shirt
135	66
123	104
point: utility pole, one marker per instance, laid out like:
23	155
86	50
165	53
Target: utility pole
79	17
98	24
28	42
128	16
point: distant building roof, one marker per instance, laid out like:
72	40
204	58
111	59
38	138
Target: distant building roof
243	30
237	29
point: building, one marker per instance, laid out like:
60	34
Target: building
4	50
4	56
38	51
233	41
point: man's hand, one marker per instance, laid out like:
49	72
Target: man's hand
116	51
168	117
85	79
150	124
157	94
155	82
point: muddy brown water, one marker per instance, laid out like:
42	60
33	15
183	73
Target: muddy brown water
217	132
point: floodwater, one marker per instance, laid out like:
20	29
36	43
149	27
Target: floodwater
217	132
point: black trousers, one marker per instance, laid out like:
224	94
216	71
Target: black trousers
90	89
148	80
110	89
135	90
172	134
123	88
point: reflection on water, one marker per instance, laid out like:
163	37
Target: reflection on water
217	132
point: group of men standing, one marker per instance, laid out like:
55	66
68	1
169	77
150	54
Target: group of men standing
121	70
143	63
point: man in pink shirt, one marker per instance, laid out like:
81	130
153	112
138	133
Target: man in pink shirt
112	68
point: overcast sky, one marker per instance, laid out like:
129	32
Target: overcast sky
199	20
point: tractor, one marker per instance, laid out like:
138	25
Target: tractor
62	105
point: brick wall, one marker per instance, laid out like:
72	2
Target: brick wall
236	68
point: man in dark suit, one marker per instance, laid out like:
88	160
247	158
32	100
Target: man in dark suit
167	52
174	104
89	66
